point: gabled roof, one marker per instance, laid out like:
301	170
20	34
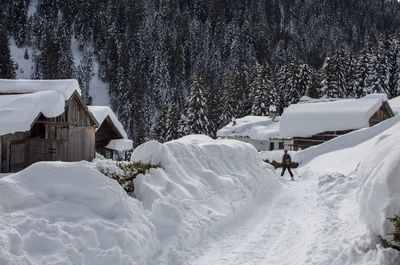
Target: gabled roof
313	117
19	111
102	112
253	127
19	86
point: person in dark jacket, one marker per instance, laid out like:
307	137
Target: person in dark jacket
286	161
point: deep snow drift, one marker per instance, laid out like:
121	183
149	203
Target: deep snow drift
203	185
70	214
378	179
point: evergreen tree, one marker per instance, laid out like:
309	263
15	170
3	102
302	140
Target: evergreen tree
306	76
172	122
312	90
197	120
334	75
6	63
158	131
234	98
84	73
365	74
262	92
287	83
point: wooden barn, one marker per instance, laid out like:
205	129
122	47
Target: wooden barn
111	139
312	122
43	120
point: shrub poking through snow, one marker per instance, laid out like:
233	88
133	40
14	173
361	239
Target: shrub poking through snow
279	165
396	223
124	172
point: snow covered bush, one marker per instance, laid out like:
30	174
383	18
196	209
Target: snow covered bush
396	223
378	178
123	172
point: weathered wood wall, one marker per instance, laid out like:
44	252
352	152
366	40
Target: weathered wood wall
81	144
12	152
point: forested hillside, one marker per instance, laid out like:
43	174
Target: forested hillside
175	67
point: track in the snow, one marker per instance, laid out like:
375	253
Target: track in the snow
288	230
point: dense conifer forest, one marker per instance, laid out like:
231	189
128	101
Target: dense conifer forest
176	67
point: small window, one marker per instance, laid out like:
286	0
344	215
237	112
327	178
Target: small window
281	146
271	146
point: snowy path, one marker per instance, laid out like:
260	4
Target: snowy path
311	221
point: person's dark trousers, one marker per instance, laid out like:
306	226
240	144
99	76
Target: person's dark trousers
284	169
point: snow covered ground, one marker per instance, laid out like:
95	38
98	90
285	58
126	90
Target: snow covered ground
210	202
69	213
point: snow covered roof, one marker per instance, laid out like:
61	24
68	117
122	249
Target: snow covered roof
254	127
65	86
120	145
102	112
18	112
314	117
395	105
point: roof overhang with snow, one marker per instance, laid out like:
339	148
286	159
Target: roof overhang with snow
309	118
254	127
19	111
120	145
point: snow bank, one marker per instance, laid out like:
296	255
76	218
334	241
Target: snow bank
64	86
379	183
204	184
345	141
70	214
307	119
18	112
101	113
254	127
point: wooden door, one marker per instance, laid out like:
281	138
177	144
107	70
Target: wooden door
17	156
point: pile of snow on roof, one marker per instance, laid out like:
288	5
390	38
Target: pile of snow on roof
253	127
64	86
101	113
18	112
310	118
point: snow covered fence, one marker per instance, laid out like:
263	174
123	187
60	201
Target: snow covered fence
378	178
71	214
